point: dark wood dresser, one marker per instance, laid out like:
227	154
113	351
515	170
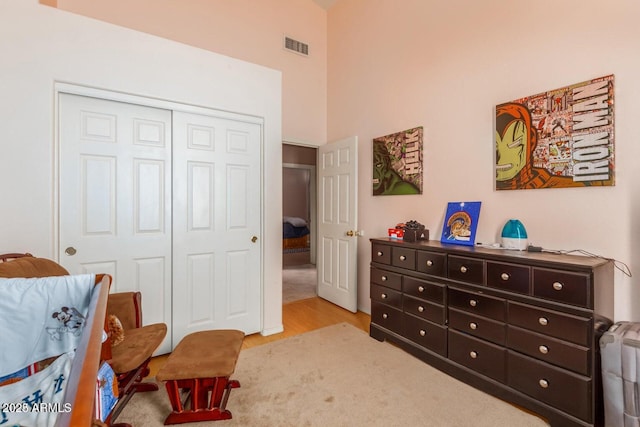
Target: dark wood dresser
521	326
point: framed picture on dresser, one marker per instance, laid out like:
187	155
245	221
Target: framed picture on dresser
461	223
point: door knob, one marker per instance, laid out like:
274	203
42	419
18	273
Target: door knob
71	251
254	239
350	233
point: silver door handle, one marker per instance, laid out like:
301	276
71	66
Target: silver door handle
71	251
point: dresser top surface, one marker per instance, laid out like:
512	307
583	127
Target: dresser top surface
504	255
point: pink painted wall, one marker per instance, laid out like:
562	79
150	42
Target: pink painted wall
444	66
295	193
244	29
296	181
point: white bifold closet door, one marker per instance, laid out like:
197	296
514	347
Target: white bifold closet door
216	224
167	203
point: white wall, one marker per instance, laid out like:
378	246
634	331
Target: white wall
251	30
40	45
444	66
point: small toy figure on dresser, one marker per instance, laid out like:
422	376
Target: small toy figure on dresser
414	231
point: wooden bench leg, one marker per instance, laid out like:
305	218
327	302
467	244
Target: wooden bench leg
208	399
231	384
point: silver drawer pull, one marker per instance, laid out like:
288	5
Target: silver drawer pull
420	288
504	276
543	321
473	354
380	253
463	269
473	325
420	309
473	302
429	263
384	278
383	296
557	286
385	316
423	332
543	383
402	257
543	349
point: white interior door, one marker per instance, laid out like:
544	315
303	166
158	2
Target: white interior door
337	223
217	199
115	198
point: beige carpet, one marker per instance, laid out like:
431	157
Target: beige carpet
299	282
339	376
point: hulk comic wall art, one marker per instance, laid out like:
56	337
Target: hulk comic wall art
397	163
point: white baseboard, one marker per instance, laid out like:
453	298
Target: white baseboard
272	331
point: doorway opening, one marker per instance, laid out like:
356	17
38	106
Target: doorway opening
299	224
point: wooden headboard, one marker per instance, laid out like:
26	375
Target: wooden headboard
84	369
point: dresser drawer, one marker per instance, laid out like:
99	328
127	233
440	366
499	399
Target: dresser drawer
562	389
387	317
480	327
481	356
424	290
481	305
431	263
425	309
403	257
386	296
469	270
426	334
381	253
386	278
509	277
551	350
562	286
576	329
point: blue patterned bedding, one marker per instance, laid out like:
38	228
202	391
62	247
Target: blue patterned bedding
289	231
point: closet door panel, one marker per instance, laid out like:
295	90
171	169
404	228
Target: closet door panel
115	197
216	183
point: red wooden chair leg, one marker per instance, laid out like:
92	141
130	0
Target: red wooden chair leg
201	408
231	384
174	395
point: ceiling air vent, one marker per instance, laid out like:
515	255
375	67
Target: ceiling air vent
296	46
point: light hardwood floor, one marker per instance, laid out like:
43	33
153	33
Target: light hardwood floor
298	317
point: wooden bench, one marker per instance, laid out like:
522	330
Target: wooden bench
201	365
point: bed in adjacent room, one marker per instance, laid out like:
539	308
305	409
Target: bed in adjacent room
295	234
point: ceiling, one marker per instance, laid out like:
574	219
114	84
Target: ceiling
325	4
